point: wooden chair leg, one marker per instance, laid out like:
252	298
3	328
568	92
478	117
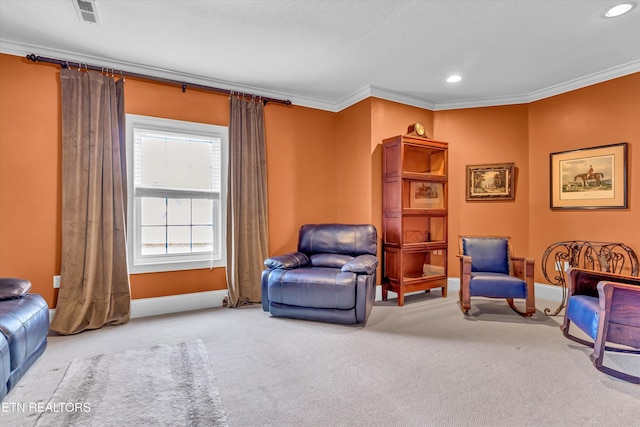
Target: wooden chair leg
565	326
531	306
464	306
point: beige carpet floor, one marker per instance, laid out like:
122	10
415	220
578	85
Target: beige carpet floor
159	385
424	364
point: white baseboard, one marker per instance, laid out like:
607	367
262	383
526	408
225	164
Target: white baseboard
145	307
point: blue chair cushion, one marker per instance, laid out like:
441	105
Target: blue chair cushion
316	287
583	311
497	285
487	254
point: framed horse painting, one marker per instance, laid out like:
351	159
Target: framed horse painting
589	178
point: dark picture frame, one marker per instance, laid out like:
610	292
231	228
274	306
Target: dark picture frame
495	181
589	178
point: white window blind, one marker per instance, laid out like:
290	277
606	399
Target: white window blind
171	161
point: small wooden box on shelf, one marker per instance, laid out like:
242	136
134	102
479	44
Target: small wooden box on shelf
414	215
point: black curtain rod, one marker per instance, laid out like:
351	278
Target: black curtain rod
184	85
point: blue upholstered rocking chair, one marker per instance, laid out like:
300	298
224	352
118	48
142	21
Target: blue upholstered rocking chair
489	269
606	306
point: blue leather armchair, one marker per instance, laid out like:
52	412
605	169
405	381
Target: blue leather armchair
331	278
489	269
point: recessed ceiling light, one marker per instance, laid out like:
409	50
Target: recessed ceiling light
618	10
454	78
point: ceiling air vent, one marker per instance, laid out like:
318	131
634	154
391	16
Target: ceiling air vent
86	10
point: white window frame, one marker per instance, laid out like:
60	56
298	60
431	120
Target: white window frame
173	262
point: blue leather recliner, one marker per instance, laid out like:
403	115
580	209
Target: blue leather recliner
489	269
24	325
331	278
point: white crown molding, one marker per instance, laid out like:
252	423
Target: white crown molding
591	79
481	102
317	104
378	92
20	49
401	98
352	99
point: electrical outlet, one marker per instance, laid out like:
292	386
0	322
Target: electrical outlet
56	282
566	266
558	265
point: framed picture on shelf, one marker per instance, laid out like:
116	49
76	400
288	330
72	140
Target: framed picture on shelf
490	182
589	178
426	195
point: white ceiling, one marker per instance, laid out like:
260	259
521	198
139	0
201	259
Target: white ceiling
331	54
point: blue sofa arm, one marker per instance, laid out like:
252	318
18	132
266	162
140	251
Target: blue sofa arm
287	261
362	264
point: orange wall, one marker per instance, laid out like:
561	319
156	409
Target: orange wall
602	114
301	172
301	181
323	167
30	177
526	134
353	158
480	136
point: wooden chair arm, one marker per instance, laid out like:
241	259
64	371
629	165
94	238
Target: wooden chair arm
465	265
522	267
603	285
607	288
619	317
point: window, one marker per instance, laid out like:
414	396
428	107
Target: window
177	194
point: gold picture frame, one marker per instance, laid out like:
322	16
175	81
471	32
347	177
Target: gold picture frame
589	178
495	181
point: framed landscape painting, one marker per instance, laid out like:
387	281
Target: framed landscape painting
589	178
490	182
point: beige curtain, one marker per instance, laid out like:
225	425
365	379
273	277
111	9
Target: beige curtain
247	226
94	285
